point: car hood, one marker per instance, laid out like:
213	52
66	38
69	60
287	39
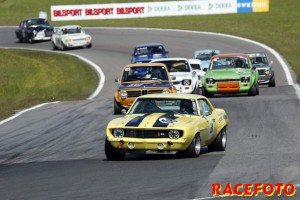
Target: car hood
152	120
142	84
228	73
180	75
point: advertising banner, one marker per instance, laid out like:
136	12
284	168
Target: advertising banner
141	10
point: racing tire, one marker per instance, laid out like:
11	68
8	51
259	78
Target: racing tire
252	91
117	108
30	39
205	93
195	147
63	47
219	144
257	89
272	82
54	47
89	46
111	153
196	90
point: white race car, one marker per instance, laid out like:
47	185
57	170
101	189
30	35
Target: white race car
71	36
184	78
198	68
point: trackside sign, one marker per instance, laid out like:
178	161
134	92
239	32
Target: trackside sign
142	10
153	9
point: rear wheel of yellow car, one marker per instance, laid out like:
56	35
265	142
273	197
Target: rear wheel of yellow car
219	144
112	153
195	147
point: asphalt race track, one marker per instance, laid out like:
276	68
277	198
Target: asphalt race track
57	151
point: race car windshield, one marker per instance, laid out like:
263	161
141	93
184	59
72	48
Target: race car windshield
33	22
176	66
148	50
164	105
144	73
203	57
228	63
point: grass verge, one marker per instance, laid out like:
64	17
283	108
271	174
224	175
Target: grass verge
30	77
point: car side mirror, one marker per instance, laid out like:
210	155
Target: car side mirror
123	111
205	69
271	62
207	113
253	68
117	80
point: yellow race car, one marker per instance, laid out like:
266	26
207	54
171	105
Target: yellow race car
167	123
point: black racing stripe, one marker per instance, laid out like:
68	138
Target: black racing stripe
164	121
137	120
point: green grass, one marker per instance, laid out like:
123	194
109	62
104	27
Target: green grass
31	77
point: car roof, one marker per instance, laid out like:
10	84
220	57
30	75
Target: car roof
194	61
173	95
34	19
207	51
168	59
146	65
230	55
257	53
149	45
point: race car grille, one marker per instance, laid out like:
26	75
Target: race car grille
228	80
48	33
261	72
78	39
142	92
147	133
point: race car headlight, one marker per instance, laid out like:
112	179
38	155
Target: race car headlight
68	40
88	38
165	91
118	133
210	81
186	82
245	79
34	32
267	71
174	134
123	94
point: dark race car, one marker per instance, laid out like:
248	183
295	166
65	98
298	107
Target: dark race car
264	67
144	53
34	29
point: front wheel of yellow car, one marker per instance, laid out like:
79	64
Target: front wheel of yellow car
219	144
195	147
112	153
117	108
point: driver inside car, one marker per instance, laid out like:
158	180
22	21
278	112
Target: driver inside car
186	107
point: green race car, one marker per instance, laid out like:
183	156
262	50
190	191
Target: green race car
230	73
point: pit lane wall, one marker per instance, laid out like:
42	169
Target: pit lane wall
155	9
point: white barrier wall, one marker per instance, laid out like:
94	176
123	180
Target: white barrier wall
145	9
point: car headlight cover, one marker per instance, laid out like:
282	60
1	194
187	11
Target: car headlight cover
245	79
34	32
68	40
118	133
186	82
123	94
267	71
174	134
88	38
210	81
165	91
